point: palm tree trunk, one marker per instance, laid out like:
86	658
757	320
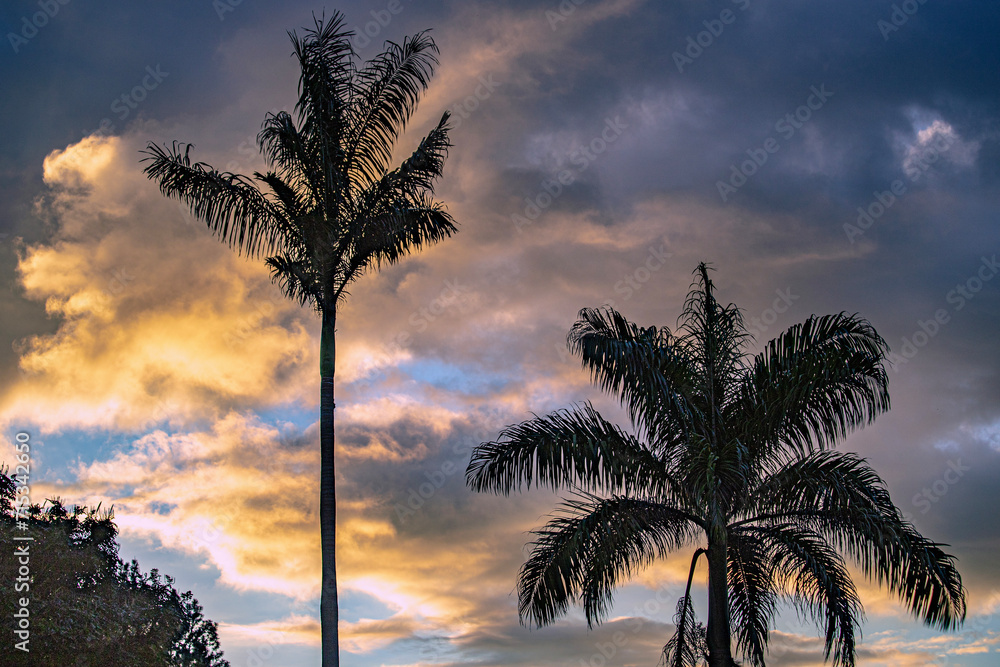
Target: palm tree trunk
687	603
719	651
328	607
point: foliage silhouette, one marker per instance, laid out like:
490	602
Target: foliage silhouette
89	608
734	455
330	208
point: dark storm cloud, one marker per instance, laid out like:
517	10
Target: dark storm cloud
763	66
582	114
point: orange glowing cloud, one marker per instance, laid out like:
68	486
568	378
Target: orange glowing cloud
157	320
291	630
223	495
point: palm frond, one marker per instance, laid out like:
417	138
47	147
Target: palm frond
326	60
291	204
816	578
588	551
417	173
688	646
813	385
297	280
577	448
285	150
232	205
716	336
326	93
840	496
752	597
644	366
398	229
387	90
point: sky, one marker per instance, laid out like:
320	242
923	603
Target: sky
821	156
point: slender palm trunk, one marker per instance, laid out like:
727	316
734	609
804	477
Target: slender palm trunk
328	609
719	651
687	603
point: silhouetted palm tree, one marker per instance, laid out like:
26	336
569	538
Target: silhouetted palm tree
734	459
330	208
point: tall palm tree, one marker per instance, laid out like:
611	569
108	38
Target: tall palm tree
329	209
734	458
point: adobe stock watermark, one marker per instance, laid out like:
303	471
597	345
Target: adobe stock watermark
976	628
565	9
581	158
704	39
662	601
786	127
432	649
937	490
883	200
770	315
186	215
898	17
448	299
461	111
257	657
632	282
381	18
120	278
37	21
123	105
22	547
249	148
223	7
248	324
958	298
630	285
417	496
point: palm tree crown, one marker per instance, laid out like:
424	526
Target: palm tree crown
734	458
329	208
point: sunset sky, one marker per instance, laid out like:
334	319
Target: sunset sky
822	156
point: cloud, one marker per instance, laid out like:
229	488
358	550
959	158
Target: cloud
157	321
935	140
290	630
367	634
163	337
222	495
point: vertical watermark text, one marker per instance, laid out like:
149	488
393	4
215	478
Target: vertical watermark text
22	544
